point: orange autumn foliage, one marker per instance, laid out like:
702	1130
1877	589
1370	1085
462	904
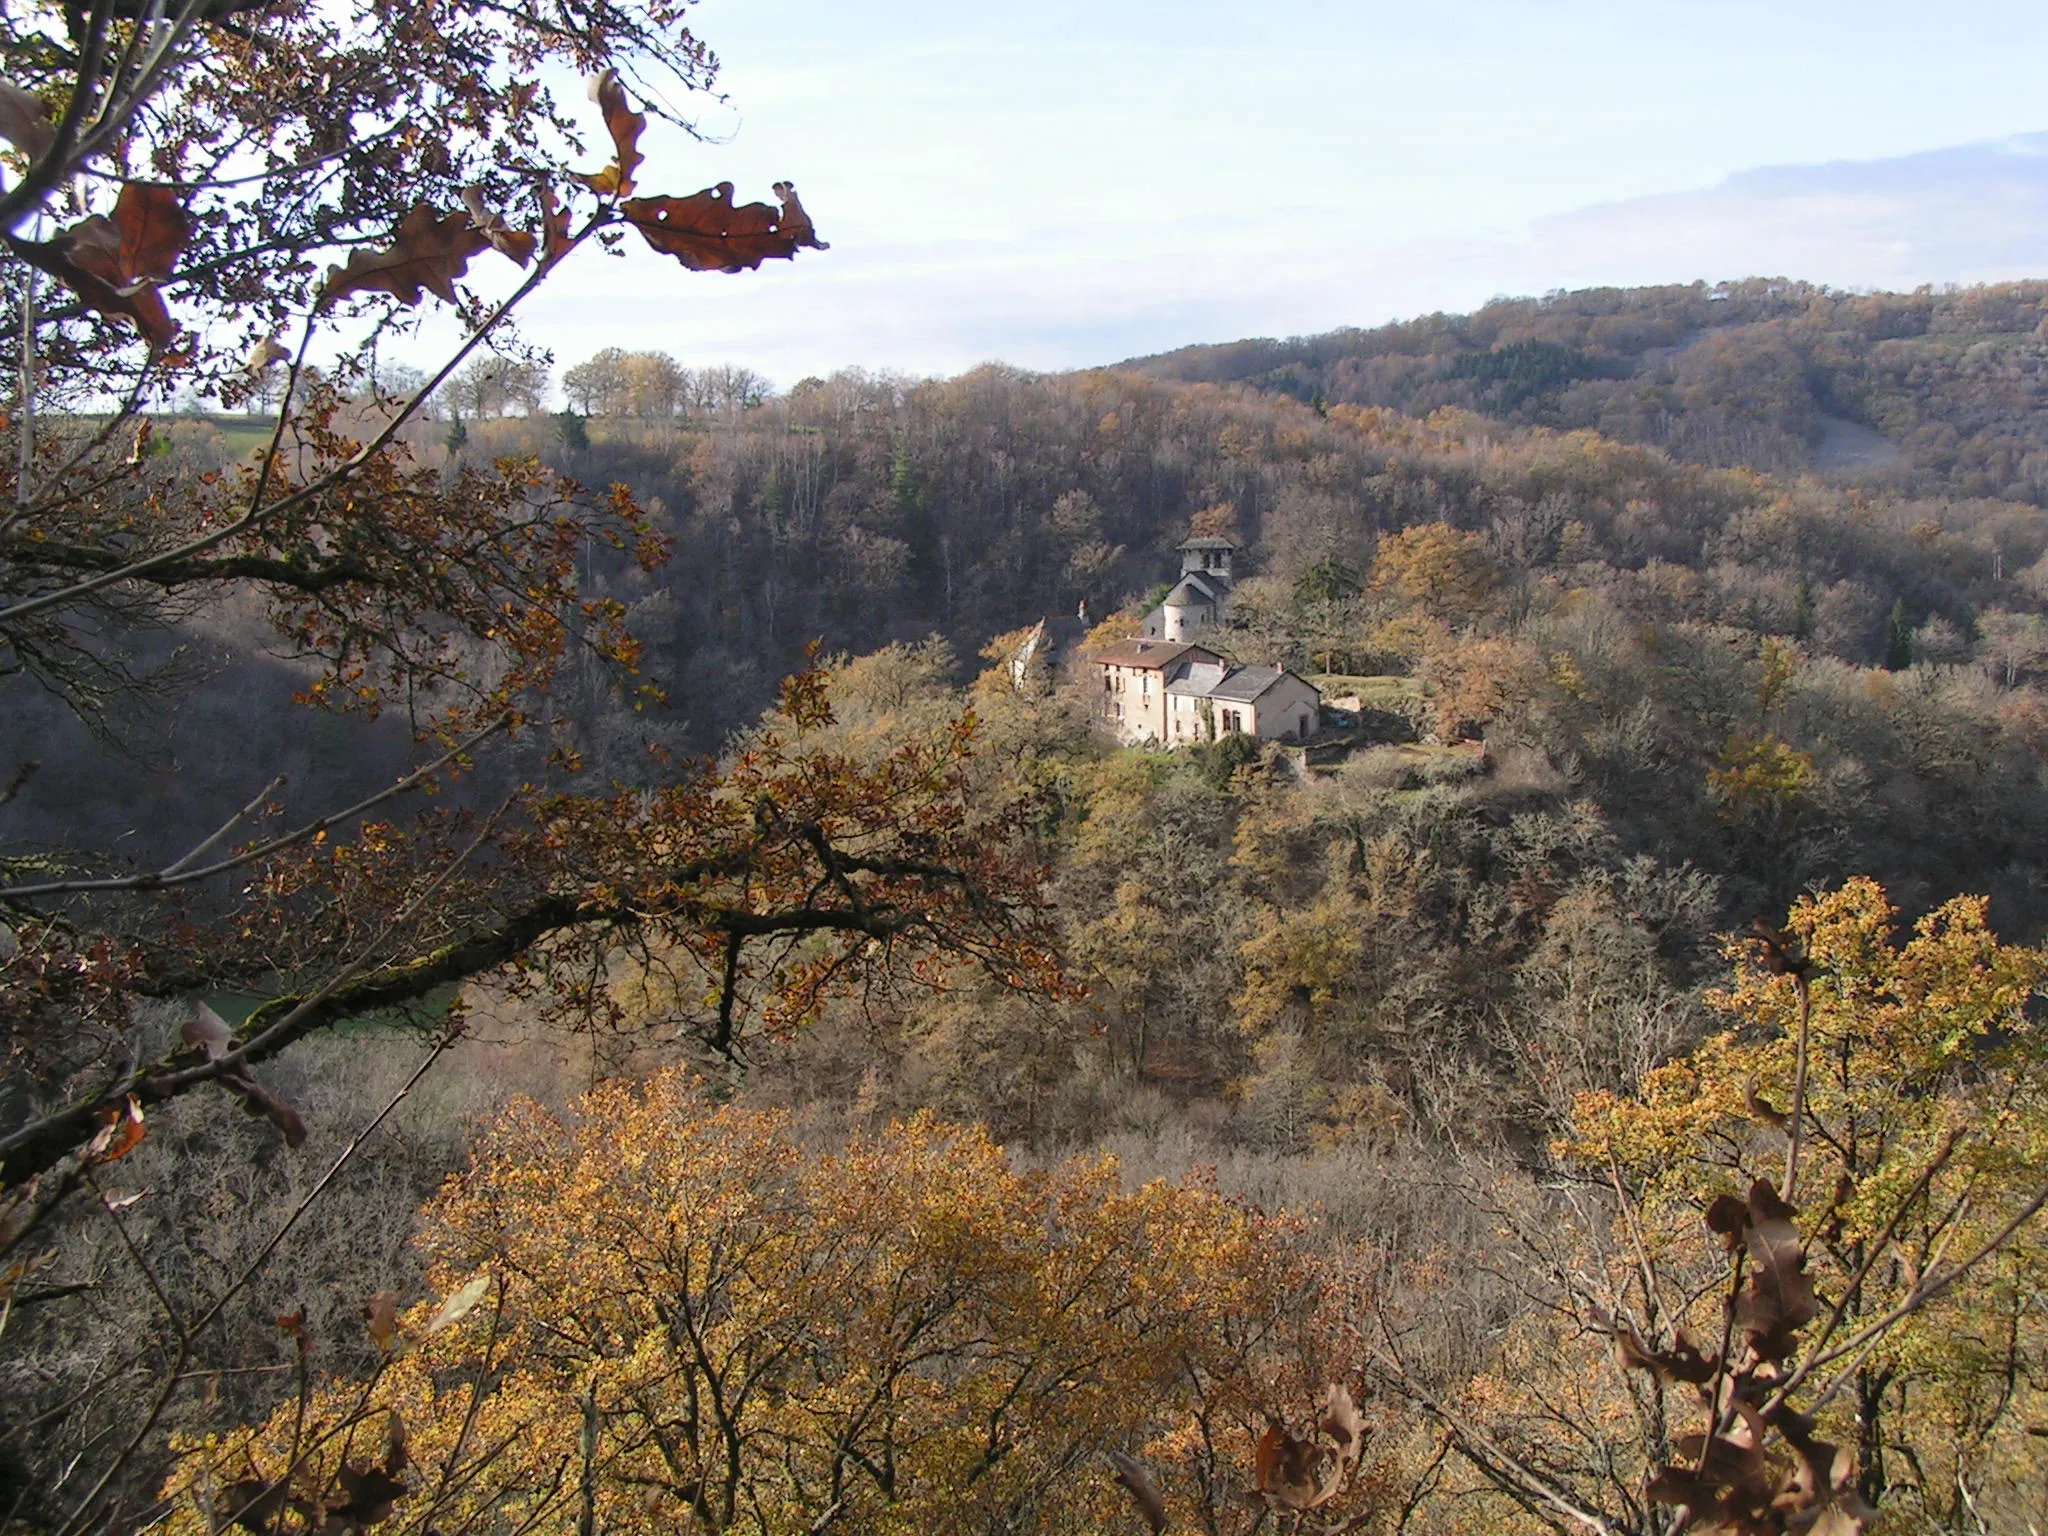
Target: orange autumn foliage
693	1323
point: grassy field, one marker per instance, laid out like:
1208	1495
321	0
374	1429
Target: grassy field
1377	692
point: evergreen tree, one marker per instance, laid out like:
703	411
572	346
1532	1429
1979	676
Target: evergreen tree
1898	639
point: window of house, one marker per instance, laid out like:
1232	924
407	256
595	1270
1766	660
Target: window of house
1107	685
1145	684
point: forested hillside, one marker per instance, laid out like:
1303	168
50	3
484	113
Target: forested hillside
1933	392
1637	621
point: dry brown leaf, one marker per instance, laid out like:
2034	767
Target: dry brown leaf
263	355
1341	1424
120	1132
142	305
254	1505
707	232
208	1031
504	239
1143	1491
1779	1299
428	251
1682	1362
1728	1218
23	122
1762	1109
625	126
459	1305
154	230
260	1101
368	1495
554	225
381	1313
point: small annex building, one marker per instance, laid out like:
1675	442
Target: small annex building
1205	703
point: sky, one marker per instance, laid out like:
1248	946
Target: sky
1060	185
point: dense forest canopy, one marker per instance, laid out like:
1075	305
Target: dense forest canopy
1934	392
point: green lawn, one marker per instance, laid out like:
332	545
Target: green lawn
1376	692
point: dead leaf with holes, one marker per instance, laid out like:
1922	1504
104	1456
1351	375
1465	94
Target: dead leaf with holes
708	232
428	252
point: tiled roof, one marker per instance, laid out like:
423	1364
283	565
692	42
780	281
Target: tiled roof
1146	653
1246	684
1209	544
1197	679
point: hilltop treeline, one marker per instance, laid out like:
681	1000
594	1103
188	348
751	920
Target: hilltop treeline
1766	373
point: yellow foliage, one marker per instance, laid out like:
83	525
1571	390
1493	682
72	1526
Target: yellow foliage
1434	567
1759	776
1913	1046
691	1323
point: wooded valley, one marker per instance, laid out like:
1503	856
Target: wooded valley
564	971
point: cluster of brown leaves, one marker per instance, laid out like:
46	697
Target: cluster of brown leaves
1759	1469
359	1494
115	263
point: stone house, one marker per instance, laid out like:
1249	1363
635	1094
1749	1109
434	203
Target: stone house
1159	688
1135	674
1206	703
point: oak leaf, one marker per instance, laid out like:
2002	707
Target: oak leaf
381	1313
625	126
554	225
114	262
428	252
1779	1299
506	240
708	232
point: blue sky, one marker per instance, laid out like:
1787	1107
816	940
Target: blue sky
1061	184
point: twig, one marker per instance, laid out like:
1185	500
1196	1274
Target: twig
179	874
1805	991
188	1335
1929	1288
341	473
